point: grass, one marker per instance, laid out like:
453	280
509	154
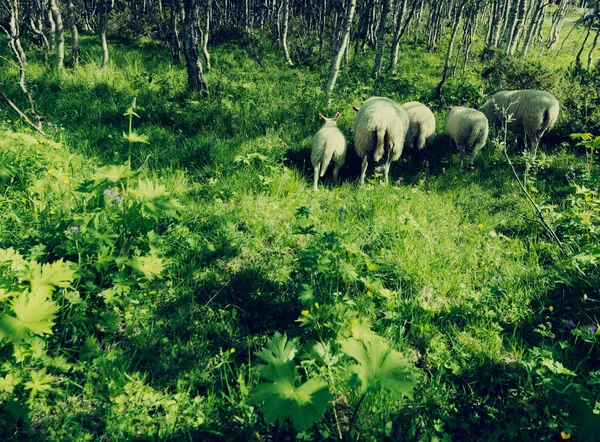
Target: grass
458	281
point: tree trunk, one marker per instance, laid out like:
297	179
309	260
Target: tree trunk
594	44
387	5
286	15
519	23
59	35
190	46
74	33
538	14
397	34
51	29
457	17
322	19
204	35
104	12
557	21
341	48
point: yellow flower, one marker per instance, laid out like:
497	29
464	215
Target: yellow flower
51	172
369	294
304	312
481	226
551	308
23	200
232	350
9	121
565	435
231	201
316	304
51	212
64	179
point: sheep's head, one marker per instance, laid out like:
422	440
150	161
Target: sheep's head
329	120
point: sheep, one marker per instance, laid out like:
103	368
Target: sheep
533	113
468	128
380	126
421	127
328	144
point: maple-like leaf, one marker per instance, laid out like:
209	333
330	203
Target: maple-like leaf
150	266
134	137
379	365
155	198
40	382
44	278
281	398
34	312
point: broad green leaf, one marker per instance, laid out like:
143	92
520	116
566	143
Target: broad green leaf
302	405
90	349
281	399
306	294
40	382
8	383
10	255
133	137
348	272
150	266
379	365
33	311
44	278
155	198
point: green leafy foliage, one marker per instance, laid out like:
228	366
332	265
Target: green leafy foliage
282	398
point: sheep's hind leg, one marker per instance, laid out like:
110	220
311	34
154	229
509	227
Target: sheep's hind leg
363	172
388	162
336	171
316	177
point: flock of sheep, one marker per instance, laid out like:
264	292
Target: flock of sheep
382	128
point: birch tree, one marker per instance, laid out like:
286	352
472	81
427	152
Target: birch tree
190	46
387	4
336	60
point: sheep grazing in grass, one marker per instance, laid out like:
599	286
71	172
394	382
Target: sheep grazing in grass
533	113
422	125
468	128
328	144
380	127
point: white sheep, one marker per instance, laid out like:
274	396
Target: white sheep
533	113
421	125
380	127
468	128
328	144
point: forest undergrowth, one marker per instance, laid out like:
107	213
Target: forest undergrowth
167	273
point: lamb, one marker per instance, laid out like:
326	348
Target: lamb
380	126
468	128
421	127
533	113
328	144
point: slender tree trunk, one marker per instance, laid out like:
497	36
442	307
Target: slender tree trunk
104	11
341	48
51	29
557	21
74	33
538	14
59	35
174	42
594	44
387	5
286	15
322	19
190	46
205	35
397	33
519	23
457	17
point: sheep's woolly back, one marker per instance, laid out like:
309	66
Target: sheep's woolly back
329	142
421	124
468	128
534	112
380	125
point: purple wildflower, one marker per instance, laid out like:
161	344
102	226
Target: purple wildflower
119	197
108	192
572	168
570	324
593	328
114	184
380	168
499	278
75	228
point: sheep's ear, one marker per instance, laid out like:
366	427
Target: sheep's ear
355	108
476	106
337	116
322	117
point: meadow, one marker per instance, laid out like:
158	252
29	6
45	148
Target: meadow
167	273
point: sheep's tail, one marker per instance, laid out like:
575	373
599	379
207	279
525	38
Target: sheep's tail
327	155
380	143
